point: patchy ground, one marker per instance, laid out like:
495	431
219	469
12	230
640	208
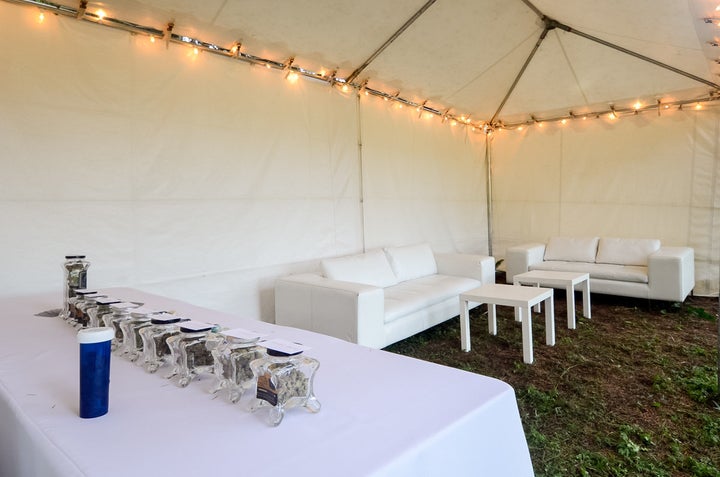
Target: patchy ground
633	391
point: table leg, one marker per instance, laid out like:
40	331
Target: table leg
550	321
537	307
492	319
527	335
464	325
586	298
570	293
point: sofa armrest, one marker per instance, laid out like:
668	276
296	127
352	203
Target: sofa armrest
479	267
350	311
671	273
520	258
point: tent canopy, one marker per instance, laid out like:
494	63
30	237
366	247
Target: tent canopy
463	56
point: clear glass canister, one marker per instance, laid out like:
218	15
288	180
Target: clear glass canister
78	304
132	343
156	351
190	354
284	379
107	314
232	357
75	268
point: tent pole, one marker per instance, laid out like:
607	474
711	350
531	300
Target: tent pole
519	75
387	43
550	23
360	166
488	188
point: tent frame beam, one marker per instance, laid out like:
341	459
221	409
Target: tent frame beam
389	41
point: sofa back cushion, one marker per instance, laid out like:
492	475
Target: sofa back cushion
623	251
570	249
370	268
412	261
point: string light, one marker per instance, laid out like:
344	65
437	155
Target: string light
294	72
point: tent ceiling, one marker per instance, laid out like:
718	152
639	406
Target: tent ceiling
465	54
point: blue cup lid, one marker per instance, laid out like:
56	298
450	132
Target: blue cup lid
95	335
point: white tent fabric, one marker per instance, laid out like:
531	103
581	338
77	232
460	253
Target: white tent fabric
198	178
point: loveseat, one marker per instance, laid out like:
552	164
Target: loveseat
381	296
639	268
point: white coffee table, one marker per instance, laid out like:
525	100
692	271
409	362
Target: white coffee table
522	299
568	280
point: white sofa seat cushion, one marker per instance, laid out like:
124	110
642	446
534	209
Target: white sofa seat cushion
571	249
413	261
370	268
410	296
605	271
623	251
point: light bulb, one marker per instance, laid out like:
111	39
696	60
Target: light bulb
564	121
366	93
520	128
152	39
345	88
453	123
196	51
698	106
637	105
292	77
667	106
100	14
41	17
267	65
429	115
539	124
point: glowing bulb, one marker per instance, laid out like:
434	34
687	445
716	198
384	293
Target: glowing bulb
366	93
267	65
520	128
386	98
100	14
637	105
564	121
584	118
400	106
667	106
453	123
429	115
234	49
540	124
196	51
717	9
152	39
41	17
292	77
473	129
698	106
345	88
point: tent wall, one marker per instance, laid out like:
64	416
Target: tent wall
202	178
641	176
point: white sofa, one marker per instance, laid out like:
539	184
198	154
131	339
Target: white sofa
639	268
381	296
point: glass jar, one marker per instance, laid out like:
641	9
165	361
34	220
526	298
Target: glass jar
132	343
75	268
232	356
78	304
283	380
156	351
189	352
110	312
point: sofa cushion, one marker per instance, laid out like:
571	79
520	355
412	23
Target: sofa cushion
605	271
623	251
370	268
411	296
412	261
571	249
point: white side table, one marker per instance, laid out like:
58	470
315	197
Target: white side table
567	280
522	299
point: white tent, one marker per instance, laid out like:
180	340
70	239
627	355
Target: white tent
206	175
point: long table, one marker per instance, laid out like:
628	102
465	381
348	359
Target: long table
382	414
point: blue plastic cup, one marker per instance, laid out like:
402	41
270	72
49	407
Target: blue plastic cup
94	370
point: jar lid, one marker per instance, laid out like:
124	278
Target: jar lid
165	318
107	301
280	347
121	305
241	335
84	291
70	257
273	352
95	335
195	327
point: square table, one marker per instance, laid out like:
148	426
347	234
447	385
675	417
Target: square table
522	299
568	280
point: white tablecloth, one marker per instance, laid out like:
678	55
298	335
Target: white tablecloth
382	414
